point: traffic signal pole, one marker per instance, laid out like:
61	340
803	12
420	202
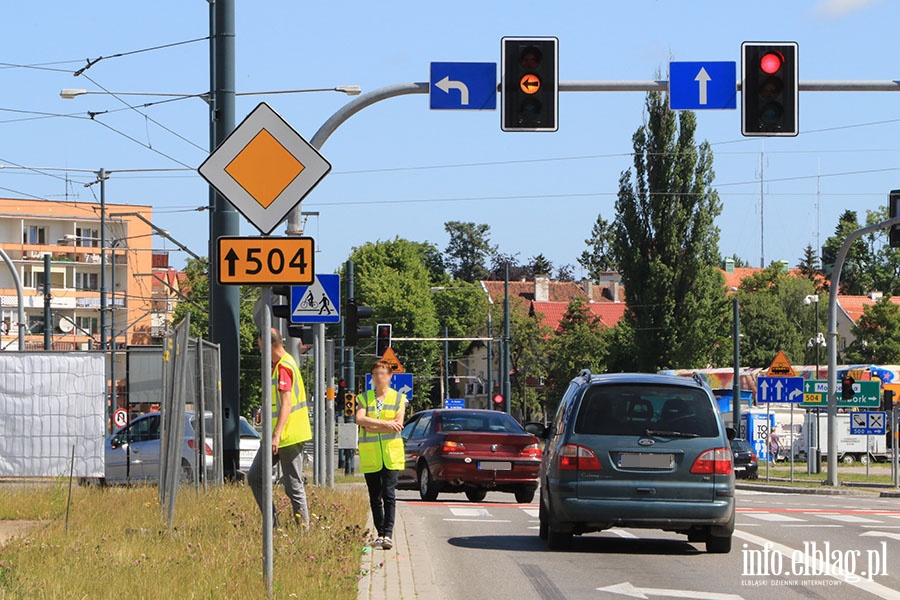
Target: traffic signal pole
831	477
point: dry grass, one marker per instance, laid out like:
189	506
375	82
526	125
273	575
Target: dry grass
118	545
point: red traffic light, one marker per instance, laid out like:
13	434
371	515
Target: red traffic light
771	62
498	399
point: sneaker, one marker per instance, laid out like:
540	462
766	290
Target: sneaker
387	543
379	541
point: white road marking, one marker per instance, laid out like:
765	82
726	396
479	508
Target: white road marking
772	517
478	520
882	526
813	525
848	518
627	589
876	589
532	512
623	534
470	512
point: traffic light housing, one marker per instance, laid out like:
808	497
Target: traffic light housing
352	329
529	88
847	387
894	211
283	311
349	404
769	89
887	400
382	338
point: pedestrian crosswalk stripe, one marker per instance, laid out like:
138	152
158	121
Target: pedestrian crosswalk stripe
470	512
532	512
848	518
772	517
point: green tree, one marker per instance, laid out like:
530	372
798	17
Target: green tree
884	268
774	317
579	343
809	266
196	291
517	270
394	278
856	275
666	244
566	272
527	356
877	335
540	266
598	258
739	263
468	250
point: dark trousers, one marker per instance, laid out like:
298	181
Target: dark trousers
382	498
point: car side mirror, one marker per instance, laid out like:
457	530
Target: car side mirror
537	429
730	433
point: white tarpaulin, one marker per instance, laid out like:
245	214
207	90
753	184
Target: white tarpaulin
50	402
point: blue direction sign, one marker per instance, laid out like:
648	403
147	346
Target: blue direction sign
454	402
465	86
702	85
780	389
867	423
402	382
317	303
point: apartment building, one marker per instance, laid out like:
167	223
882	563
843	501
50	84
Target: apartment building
138	305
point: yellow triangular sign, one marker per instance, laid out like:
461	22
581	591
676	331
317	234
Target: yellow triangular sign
391	357
781	366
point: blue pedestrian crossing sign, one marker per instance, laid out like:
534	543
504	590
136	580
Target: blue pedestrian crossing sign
319	302
702	85
780	389
463	86
402	382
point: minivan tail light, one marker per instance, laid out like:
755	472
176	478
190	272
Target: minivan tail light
532	451
573	457
451	447
715	461
206	447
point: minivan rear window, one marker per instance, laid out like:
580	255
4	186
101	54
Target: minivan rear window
632	409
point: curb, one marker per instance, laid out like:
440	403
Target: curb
889	494
784	489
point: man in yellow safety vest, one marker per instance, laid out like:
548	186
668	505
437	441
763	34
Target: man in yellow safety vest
379	414
290	428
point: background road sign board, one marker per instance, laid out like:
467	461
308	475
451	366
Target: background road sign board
264	168
466	86
702	85
815	395
454	402
402	382
265	260
120	417
319	302
780	389
868	423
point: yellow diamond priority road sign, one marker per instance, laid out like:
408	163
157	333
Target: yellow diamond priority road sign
264	168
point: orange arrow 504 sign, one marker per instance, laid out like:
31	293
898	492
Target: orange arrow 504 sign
266	261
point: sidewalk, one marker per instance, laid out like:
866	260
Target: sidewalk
404	572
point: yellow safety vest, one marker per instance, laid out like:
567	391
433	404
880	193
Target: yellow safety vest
297	429
377	450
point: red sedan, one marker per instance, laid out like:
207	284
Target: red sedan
471	451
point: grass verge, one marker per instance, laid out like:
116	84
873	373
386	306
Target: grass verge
118	543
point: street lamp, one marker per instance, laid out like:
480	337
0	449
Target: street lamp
736	376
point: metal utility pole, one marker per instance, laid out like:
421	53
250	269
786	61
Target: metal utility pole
265	329
351	371
224	301
736	383
490	363
831	477
113	399
102	177
20	297
507	388
446	368
329	416
48	322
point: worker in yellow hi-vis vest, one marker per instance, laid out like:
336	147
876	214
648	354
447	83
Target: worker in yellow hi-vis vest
290	428
379	414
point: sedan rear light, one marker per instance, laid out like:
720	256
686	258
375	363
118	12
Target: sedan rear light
715	461
451	447
207	447
573	457
532	451
753	457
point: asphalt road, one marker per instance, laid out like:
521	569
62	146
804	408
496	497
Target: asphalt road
491	550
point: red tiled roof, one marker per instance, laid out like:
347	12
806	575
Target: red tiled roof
609	313
854	306
559	291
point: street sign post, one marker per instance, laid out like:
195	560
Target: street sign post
866	395
780	389
265	260
702	85
463	86
264	168
868	423
319	302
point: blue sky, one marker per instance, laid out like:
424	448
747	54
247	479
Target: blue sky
401	169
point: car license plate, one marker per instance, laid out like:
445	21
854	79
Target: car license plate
490	465
646	460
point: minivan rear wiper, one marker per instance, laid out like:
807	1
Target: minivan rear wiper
661	433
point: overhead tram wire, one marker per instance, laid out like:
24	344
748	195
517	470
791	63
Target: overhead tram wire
90	63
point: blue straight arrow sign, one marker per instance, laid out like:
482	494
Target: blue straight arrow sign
702	85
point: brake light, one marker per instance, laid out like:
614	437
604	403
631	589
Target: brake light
451	447
532	451
715	461
573	457
753	457
206	447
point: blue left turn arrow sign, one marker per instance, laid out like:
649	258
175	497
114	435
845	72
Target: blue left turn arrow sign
463	86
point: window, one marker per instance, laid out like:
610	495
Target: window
632	409
463	420
35	323
87	281
32	234
407	429
85	236
422	426
87	325
144	430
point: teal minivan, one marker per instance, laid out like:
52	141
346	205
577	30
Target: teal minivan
641	451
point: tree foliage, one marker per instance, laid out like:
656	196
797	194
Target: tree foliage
877	335
598	258
468	250
579	343
666	244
